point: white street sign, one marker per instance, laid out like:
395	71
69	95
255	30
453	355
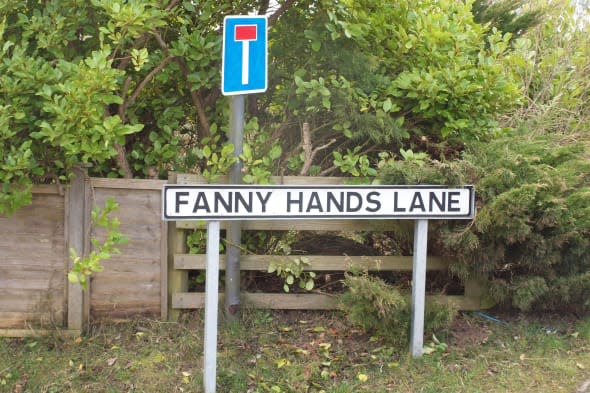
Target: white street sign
239	202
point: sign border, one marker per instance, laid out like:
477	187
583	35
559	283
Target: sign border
469	215
238	92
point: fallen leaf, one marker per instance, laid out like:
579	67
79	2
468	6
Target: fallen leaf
325	346
362	377
580	366
111	361
301	351
522	357
428	350
282	363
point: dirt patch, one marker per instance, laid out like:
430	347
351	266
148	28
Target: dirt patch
467	332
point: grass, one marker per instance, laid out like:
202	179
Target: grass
302	352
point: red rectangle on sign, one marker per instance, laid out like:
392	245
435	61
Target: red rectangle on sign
245	32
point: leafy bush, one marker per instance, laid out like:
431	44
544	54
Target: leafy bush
378	307
531	235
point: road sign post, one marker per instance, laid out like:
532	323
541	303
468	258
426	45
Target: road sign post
418	287
244	71
234	232
211	302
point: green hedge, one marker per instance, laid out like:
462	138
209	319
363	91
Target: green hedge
531	235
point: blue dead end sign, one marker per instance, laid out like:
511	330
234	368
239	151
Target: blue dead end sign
244	58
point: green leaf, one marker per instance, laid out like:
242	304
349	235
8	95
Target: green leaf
387	104
73	277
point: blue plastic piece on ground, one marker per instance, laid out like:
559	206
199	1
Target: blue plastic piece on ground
488	317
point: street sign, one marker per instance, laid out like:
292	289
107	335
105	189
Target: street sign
237	202
244	57
231	202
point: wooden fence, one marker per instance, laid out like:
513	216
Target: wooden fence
150	276
35	294
182	262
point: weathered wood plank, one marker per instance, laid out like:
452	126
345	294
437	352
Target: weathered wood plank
127	278
136	207
186	178
301	225
131	282
49	189
43	216
18	320
31	300
285	301
24	266
31	252
121	290
76	210
22	333
111	313
131	305
177	279
33	261
148	234
31	279
120	265
133	184
164	271
193	300
317	262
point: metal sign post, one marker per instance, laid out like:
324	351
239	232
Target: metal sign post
234	232
418	287
211	306
244	70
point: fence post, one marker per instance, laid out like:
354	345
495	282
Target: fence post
78	224
476	291
177	279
